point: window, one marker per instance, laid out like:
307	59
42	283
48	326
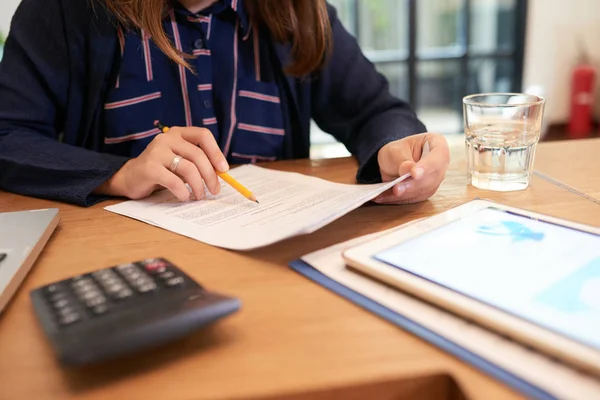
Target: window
435	52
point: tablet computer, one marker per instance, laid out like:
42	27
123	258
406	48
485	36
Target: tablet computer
529	276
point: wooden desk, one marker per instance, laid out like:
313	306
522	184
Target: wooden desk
292	338
564	161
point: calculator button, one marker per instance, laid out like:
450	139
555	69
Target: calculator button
58	296
126	272
123	294
104	275
108	277
174	281
69	319
137	277
140	281
167	275
51	289
128	269
81	283
114	287
154	265
90	295
159	270
88	291
111	282
146	287
66	311
100	309
60	303
132	273
86	287
95	301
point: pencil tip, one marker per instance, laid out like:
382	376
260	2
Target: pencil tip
256	201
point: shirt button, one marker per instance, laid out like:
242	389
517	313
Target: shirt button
199	44
207	104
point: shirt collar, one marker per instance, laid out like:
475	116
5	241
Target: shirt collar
238	7
220	6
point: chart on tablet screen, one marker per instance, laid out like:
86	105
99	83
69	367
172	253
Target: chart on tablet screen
546	273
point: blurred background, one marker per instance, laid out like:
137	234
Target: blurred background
434	52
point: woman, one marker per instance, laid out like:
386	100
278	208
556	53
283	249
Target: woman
83	81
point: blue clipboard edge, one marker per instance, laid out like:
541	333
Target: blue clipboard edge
411	326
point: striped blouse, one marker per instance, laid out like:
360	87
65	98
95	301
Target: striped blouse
224	93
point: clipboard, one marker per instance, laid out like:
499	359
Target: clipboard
517	383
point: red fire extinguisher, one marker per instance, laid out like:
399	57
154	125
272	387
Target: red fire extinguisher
583	82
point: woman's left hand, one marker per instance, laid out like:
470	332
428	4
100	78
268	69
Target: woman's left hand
425	156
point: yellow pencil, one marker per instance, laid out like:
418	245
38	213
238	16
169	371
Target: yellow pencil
237	186
223	175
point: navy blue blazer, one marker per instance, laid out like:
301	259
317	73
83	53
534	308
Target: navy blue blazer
60	56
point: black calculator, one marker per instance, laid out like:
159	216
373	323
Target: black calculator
124	309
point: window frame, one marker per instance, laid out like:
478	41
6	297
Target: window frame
463	55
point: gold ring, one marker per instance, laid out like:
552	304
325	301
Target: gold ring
175	163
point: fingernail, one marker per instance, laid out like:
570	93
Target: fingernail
192	197
400	189
419	172
223	166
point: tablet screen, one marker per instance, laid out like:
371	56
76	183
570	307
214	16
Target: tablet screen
542	272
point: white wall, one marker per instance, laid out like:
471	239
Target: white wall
554	30
7	9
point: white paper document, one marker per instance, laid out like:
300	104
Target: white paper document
535	368
290	204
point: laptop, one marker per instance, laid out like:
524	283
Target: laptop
23	235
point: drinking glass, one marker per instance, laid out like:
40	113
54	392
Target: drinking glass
502	131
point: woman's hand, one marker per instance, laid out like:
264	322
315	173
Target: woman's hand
425	156
157	167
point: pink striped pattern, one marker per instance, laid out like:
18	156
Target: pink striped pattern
199	19
256	55
121	38
201	52
209	27
205	87
182	72
248	32
147	55
261	129
132	101
133	136
253	158
259	96
209	121
234	91
234	4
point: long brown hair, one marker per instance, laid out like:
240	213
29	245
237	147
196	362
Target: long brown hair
303	24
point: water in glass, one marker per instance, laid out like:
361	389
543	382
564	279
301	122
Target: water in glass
500	156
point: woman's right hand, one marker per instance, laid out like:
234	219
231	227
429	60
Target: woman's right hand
151	170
